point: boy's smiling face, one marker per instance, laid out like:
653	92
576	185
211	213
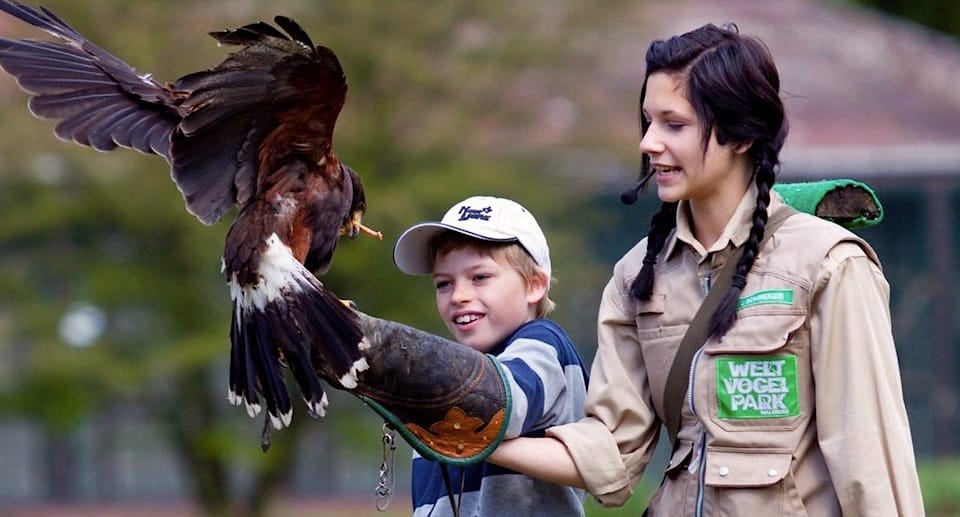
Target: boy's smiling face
481	300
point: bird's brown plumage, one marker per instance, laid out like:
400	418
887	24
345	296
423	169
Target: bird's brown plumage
255	132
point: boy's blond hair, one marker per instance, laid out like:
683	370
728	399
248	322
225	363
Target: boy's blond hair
509	253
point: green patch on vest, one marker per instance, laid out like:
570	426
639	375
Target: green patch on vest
757	387
771	296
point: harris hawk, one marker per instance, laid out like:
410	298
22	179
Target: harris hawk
255	132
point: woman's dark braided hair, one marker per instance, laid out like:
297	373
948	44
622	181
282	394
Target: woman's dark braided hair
734	87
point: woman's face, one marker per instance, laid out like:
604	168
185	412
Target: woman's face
673	141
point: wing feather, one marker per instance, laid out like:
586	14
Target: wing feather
241	111
276	98
247	34
81	127
217	97
294	30
86	83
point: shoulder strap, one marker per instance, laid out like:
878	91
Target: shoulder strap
675	390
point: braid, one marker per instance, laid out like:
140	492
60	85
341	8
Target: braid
660	226
726	314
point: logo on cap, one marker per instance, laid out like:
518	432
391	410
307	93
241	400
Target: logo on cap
474	213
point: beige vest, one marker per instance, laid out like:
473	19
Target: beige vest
748	439
797	411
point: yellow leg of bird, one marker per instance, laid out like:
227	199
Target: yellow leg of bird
354	227
366	230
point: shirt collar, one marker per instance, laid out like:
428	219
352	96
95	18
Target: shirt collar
735	232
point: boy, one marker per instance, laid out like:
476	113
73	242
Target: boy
490	265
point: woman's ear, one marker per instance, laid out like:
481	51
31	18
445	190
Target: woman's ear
743	147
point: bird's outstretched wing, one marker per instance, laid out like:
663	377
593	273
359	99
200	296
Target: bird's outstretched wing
99	100
220	129
276	96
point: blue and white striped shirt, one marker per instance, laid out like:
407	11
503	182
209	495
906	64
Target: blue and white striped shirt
548	385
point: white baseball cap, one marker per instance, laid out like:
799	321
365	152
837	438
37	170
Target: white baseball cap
483	217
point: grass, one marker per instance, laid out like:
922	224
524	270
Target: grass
632	508
940	482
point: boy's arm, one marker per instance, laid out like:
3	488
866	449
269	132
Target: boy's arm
542	458
448	401
546	376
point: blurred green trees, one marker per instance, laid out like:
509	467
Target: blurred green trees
942	15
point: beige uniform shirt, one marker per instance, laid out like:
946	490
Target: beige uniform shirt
798	410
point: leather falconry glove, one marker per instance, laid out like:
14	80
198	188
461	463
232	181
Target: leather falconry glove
448	401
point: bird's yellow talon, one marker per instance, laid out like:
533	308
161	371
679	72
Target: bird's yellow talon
366	230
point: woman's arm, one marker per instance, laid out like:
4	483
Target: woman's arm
542	458
861	420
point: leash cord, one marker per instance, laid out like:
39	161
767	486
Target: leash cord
386	479
454	503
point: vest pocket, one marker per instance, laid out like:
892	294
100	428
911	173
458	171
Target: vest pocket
757	334
751	481
758	377
655	305
744	467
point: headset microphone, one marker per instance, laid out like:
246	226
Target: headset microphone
629	196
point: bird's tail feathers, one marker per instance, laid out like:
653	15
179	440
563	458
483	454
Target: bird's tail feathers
255	370
306	329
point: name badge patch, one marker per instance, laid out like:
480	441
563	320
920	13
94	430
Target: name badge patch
768	297
757	387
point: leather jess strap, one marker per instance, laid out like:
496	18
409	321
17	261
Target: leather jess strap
675	390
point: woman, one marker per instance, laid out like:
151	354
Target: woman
793	403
